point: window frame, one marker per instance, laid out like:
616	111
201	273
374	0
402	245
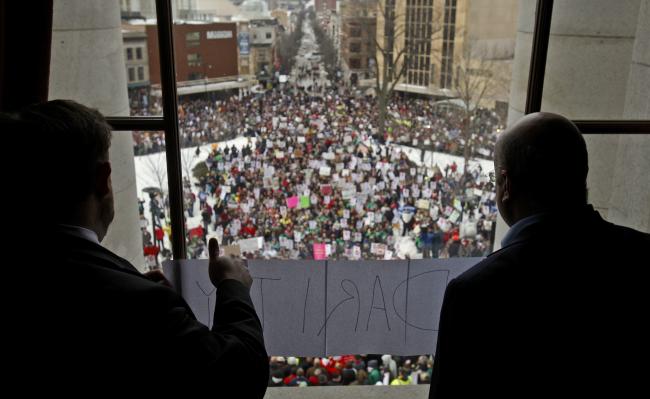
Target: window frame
169	121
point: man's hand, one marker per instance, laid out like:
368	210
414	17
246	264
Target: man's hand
226	267
158	277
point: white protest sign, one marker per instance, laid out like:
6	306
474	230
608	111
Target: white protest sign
251	244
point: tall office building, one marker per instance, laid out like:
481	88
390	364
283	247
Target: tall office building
437	42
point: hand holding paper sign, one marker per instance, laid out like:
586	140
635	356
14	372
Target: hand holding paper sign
158	277
225	268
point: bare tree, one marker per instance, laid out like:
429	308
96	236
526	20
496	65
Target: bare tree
478	78
188	161
156	164
396	48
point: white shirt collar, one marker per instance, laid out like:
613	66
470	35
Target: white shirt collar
80	232
518	227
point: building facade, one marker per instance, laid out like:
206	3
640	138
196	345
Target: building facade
322	5
358	31
136	56
422	42
203	51
263	34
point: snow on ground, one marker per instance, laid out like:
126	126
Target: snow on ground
432	158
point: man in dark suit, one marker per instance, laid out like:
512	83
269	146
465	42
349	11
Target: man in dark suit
87	316
560	308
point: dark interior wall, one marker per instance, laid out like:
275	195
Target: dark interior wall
25	42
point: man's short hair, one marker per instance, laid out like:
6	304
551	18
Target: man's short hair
68	139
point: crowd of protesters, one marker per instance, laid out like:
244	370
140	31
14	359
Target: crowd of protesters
317	179
311	177
413	122
350	370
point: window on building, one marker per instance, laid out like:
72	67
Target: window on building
193	39
355	63
269	35
194	60
131	74
129	53
140	73
138	53
355	47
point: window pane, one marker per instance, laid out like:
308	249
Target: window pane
618	182
152	196
95	46
192	36
89	64
598	63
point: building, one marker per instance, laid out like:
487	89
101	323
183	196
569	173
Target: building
184	9
263	34
284	19
253	9
138	9
215	10
289	5
420	43
436	46
259	32
136	56
203	51
322	5
181	9
358	31
207	58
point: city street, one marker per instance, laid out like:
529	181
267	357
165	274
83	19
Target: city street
304	75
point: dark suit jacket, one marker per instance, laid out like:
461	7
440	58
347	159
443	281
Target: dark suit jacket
559	310
88	317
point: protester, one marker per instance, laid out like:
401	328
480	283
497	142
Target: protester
348	370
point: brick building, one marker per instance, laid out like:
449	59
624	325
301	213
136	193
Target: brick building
202	51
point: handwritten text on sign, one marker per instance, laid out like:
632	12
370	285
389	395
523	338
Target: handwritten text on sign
317	308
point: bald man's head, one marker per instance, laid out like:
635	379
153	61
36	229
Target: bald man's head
543	158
